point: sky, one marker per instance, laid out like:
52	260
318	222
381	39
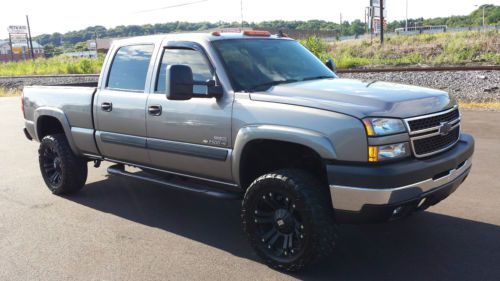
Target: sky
49	16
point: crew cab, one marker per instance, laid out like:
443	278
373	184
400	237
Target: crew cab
256	117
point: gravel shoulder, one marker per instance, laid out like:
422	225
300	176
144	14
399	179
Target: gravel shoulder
18	82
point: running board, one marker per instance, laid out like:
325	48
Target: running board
118	169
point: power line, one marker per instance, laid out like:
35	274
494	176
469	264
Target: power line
172	6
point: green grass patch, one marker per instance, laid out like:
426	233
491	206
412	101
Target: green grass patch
9	92
490	105
56	65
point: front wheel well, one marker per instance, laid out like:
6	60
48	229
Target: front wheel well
48	125
260	157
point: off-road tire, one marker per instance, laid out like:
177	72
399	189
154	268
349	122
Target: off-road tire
312	208
71	168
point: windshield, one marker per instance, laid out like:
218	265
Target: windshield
258	64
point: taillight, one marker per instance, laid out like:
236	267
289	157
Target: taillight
22	105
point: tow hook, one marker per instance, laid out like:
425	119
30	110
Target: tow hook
97	163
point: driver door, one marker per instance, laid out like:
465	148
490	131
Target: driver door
191	137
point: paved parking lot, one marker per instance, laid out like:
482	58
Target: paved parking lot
117	229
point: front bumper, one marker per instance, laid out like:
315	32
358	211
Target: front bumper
368	193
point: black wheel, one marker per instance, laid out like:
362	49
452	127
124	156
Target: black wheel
288	218
62	171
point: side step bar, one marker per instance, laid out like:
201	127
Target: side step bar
119	169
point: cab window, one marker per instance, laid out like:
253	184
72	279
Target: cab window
130	68
192	58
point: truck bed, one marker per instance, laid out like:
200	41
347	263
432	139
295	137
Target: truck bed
71	104
75	102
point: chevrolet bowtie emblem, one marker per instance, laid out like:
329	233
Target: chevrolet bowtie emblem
444	128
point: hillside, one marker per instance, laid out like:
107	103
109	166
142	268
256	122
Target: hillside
458	48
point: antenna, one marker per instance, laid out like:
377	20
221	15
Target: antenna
172	6
241	11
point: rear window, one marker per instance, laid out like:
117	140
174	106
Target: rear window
130	68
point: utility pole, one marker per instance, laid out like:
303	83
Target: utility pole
381	22
95	41
484	26
406	22
340	24
31	41
366	20
484	23
11	49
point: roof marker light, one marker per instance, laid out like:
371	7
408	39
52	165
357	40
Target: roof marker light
256	33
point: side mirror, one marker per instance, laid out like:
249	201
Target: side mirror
213	89
179	82
331	65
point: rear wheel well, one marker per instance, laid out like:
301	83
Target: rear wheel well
260	157
48	125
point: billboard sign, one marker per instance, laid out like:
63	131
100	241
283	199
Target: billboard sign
17	29
376	12
18	38
17	50
376	25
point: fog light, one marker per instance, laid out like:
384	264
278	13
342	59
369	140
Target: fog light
388	152
397	211
421	202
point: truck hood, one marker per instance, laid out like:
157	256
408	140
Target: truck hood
359	98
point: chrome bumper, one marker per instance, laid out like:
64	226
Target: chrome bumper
354	198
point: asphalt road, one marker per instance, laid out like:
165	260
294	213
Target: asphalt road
117	229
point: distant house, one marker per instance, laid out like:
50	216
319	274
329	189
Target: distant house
101	45
19	51
82	54
4	48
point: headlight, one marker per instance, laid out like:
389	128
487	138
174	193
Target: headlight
383	126
388	152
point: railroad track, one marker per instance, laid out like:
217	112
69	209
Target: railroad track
350	70
50	76
421	69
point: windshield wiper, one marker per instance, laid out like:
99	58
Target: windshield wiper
267	85
317	77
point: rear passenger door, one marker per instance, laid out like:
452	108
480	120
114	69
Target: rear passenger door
120	105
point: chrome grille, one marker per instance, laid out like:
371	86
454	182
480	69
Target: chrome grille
434	133
433	121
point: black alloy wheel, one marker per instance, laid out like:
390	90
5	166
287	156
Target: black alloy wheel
288	218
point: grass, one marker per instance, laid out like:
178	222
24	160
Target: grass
495	105
10	92
458	48
56	65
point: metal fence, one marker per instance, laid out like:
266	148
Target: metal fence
420	30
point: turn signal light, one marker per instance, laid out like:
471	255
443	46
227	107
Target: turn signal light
372	154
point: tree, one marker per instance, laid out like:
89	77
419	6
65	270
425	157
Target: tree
492	15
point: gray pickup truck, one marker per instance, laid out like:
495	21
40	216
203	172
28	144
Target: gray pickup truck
257	117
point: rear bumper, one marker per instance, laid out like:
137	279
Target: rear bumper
368	193
27	134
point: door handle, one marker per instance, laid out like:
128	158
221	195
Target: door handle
106	106
154	110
